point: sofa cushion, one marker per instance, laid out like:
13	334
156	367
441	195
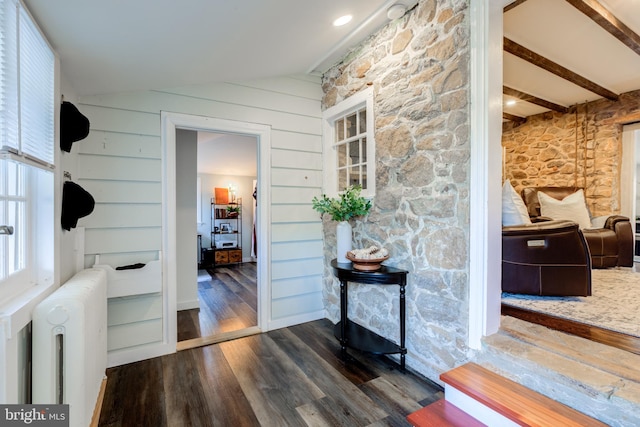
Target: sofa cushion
514	212
572	208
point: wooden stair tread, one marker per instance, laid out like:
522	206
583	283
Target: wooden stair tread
442	414
512	400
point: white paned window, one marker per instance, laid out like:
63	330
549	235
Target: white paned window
27	74
349	144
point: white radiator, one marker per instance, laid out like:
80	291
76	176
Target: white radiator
70	345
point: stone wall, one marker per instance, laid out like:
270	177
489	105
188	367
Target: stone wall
581	148
419	69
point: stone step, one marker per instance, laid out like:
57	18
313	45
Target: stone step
594	379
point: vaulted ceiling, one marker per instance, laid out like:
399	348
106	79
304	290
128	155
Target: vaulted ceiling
559	53
121	45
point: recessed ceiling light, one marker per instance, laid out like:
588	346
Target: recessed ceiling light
510	102
342	20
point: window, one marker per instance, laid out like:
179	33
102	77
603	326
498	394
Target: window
350	145
27	71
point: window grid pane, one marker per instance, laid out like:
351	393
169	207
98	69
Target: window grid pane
13	212
339	130
351	151
363	176
342	155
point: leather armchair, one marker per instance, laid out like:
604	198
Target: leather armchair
610	246
545	258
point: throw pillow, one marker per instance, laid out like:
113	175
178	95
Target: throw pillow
514	211
571	208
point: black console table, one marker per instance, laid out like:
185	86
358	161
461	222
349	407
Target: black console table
351	334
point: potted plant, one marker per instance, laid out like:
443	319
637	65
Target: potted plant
348	205
233	211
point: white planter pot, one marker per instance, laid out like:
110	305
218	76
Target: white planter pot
343	241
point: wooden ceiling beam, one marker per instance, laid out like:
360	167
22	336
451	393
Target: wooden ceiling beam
534	100
603	17
557	69
510	6
514	118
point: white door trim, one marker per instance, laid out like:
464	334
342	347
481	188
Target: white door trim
171	122
485	234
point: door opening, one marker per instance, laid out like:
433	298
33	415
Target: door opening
222	302
175	225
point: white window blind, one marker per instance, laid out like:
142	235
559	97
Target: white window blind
27	104
27	92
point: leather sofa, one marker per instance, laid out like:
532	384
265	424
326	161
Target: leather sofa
545	258
610	246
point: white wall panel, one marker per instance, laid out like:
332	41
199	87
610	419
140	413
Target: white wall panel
126	215
301	86
295	250
118	168
123	121
250	96
297	286
288	232
123	191
153	102
294	195
296	160
296	141
120	164
296	305
297	268
120	144
125	310
105	240
134	334
293	213
296	178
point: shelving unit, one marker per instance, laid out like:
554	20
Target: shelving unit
226	232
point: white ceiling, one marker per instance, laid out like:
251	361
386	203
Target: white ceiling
122	45
112	46
563	34
227	154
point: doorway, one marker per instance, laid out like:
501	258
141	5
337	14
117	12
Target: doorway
177	242
223	300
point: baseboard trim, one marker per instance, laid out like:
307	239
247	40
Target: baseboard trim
188	305
95	418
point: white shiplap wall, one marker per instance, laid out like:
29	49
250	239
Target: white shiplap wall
120	165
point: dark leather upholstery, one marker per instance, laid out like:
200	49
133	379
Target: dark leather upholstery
546	258
610	246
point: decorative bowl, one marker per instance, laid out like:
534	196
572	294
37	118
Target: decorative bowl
366	264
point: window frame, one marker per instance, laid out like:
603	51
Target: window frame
17	288
362	99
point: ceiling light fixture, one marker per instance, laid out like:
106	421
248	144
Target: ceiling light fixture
510	102
396	11
342	20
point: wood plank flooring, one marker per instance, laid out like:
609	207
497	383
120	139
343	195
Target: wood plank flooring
593	333
228	302
287	377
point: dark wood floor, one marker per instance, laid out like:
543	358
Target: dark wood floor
228	302
287	377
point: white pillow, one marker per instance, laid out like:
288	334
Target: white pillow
571	208
514	211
